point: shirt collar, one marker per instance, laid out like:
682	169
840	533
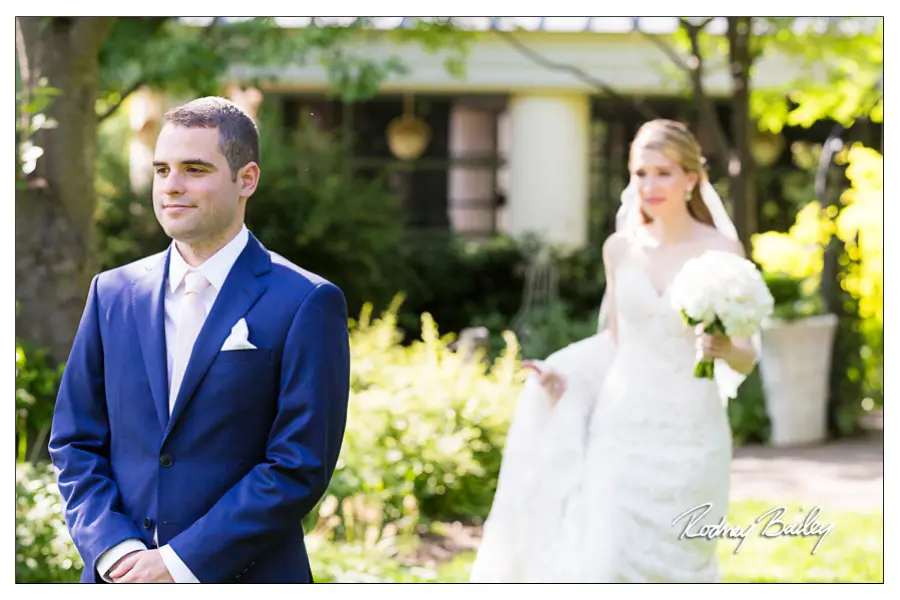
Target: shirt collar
215	268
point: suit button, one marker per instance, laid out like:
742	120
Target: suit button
148	523
165	460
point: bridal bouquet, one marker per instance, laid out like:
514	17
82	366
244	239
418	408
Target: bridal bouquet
724	292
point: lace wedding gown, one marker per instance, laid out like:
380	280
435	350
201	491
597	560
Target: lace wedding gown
590	490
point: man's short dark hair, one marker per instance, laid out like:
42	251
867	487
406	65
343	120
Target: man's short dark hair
238	135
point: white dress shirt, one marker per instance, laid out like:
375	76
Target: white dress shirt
215	269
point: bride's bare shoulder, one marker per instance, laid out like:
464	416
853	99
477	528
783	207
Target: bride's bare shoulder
712	239
615	247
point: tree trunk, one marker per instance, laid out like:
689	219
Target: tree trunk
55	246
847	340
741	168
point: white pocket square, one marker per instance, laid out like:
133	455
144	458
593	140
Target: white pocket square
239	338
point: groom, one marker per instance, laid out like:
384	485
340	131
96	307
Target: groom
204	402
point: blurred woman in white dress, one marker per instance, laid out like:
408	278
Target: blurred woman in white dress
618	454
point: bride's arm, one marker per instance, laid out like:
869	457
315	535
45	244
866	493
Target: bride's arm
612	249
740	354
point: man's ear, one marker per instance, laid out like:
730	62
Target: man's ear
248	178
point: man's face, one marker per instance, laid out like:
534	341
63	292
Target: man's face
195	197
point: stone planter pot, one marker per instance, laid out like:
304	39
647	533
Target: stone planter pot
795	368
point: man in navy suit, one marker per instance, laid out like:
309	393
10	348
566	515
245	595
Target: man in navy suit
204	402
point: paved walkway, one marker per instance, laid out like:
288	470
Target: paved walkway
845	475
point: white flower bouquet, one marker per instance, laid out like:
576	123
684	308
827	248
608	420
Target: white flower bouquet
726	294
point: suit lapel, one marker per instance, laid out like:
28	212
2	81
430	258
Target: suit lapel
241	289
147	299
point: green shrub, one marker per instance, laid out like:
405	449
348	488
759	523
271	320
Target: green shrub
747	413
36	384
582	281
546	330
795	297
45	552
425	431
453	280
311	209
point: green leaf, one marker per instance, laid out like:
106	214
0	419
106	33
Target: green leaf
847	55
182	60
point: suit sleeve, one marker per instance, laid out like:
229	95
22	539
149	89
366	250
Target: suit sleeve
302	452
79	446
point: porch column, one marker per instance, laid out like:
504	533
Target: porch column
548	162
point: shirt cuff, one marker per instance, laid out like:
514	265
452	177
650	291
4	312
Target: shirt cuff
177	569
111	556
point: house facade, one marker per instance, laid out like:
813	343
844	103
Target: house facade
532	139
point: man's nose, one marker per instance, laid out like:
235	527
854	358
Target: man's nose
173	185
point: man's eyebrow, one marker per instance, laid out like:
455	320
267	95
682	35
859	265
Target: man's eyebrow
191	161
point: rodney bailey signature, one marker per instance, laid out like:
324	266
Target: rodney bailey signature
774	526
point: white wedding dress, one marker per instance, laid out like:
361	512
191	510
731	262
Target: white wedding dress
589	490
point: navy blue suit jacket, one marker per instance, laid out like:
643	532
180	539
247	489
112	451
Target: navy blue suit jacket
254	436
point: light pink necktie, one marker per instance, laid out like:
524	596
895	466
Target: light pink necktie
193	314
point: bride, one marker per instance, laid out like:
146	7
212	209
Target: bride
617	455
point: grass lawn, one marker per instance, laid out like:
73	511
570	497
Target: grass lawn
851	552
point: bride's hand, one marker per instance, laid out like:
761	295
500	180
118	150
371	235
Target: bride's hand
553	382
713	345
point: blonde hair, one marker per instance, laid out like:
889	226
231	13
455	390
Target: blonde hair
675	141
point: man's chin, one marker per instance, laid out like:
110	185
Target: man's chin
179	232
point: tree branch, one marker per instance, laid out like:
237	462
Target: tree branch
707	109
645	111
139	82
112	109
834	144
667	50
